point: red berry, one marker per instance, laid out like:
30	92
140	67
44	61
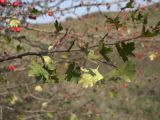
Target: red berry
16	4
12	29
50	13
3	2
11	67
18	29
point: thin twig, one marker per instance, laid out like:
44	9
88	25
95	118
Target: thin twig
107	63
41	53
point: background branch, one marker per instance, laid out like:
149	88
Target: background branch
41	53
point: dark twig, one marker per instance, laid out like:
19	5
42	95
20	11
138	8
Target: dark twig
107	63
72	44
41	53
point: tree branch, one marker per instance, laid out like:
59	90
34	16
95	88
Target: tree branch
41	53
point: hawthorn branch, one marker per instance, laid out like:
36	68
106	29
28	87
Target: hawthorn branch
41	53
88	5
56	7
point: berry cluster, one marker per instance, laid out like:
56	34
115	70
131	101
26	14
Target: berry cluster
3	2
15	23
16	3
50	13
15	29
11	67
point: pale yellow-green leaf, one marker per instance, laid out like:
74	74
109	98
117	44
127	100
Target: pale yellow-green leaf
44	104
14	23
98	76
152	56
92	56
86	80
84	70
38	88
89	77
73	117
50	47
66	65
47	60
129	31
36	69
14	99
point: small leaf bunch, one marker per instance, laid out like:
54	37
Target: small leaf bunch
14	25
